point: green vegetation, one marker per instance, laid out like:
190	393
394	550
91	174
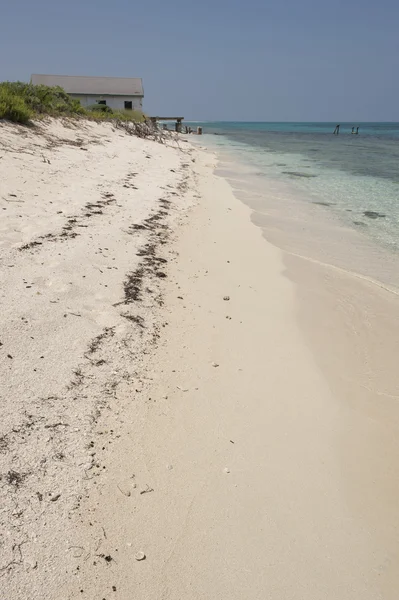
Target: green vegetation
13	107
21	102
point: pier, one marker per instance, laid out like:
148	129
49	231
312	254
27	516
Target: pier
178	121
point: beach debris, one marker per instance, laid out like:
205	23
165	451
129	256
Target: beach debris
14	478
140	556
169	467
214	364
55	498
125	492
78	551
226	298
226	470
146	490
231	442
182	389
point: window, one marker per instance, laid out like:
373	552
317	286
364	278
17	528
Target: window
128	105
102	102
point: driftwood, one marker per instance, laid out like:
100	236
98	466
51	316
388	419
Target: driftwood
148	130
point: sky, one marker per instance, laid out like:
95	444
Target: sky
249	60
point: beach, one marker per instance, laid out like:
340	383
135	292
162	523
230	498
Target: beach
198	399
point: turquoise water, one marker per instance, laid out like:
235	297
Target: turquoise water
354	176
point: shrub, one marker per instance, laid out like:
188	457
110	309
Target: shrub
129	115
43	99
103	108
21	101
13	107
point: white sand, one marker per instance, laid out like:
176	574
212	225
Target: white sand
219	453
66	338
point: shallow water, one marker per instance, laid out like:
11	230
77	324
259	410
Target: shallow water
356	177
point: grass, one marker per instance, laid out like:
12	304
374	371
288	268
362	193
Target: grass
23	102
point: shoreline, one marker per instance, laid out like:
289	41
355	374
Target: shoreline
234	447
243	442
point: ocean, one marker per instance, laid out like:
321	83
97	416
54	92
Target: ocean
355	177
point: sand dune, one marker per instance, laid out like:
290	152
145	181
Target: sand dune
86	212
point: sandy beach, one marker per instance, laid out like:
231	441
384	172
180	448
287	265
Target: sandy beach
188	410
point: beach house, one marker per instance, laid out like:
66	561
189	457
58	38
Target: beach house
116	92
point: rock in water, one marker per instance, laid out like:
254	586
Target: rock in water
371	214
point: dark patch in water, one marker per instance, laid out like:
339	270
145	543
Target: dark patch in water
281	164
371	214
360	223
297	174
324	203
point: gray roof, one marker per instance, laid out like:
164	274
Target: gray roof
104	86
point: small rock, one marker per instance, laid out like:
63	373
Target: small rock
226	298
139	556
169	467
214	364
55	498
226	470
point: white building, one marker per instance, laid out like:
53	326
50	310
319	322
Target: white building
118	93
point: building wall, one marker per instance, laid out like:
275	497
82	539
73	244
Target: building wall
114	102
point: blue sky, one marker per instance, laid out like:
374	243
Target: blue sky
293	60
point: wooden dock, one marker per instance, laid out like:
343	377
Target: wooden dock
178	121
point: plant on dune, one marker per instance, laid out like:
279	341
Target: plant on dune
43	99
13	107
21	102
129	115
